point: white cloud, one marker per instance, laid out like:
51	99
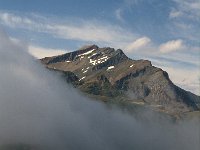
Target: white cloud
82	30
171	46
137	44
12	20
40	52
89	32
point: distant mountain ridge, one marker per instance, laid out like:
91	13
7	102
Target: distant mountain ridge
109	75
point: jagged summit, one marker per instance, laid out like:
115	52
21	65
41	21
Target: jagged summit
110	75
92	46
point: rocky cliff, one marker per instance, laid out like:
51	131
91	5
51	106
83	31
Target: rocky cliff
109	75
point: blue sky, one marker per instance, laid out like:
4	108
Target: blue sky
164	31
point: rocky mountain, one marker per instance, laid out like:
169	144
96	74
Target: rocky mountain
109	75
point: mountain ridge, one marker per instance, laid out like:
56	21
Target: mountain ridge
109	74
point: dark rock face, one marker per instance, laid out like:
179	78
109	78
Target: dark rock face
110	74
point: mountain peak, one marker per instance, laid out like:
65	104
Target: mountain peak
89	47
110	75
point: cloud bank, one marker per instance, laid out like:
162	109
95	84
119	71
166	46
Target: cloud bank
37	108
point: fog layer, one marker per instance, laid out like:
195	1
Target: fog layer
39	109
